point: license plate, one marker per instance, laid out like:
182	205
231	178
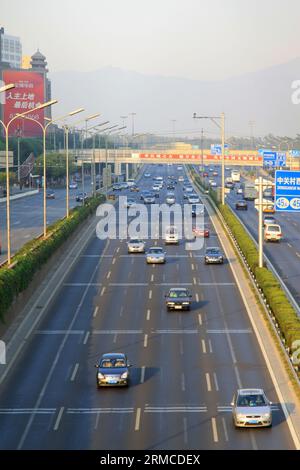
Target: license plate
178	307
253	421
112	381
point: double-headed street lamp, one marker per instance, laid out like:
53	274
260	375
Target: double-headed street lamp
222	127
6	129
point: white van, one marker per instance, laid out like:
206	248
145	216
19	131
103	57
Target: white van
272	233
171	235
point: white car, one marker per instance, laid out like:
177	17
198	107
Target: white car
170	199
136	246
179	168
171	235
272	233
149	199
147	175
213	184
180	179
239	191
73	185
156	255
251	408
193	199
156	187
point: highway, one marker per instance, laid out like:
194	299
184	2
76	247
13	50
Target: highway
185	365
27	216
285	256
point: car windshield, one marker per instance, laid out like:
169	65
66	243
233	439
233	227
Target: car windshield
110	363
273	228
213	251
251	400
176	294
135	240
156	251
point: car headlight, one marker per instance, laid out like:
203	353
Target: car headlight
100	376
240	416
171	303
267	415
124	375
185	303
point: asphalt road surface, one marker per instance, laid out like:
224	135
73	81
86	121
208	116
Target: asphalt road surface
186	366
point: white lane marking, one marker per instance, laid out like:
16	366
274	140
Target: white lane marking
210	346
203	346
59	332
216	381
200	319
95	311
118	249
98	410
228	331
208	383
113	332
298	254
148	314
74	372
181	347
25	411
194	281
143	370
197	297
175	409
86	337
214	429
289	245
108	275
191	254
225	429
82	284
176	331
57	422
137	419
115	338
152	277
113	261
213	284
128	284
185	433
145	340
103	290
183	382
150	294
97	421
193	267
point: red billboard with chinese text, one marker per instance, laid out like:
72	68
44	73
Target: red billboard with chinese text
28	93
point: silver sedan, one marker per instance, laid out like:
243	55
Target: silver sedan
136	246
251	408
155	255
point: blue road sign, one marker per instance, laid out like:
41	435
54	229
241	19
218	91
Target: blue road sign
295	153
216	149
287	191
274	159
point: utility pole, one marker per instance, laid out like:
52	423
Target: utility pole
223	156
260	223
202	162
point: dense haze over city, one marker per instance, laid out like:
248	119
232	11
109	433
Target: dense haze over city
167	59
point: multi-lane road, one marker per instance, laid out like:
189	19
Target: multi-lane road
27	217
185	365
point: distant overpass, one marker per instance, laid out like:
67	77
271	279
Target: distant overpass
242	158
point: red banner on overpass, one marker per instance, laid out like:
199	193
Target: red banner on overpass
206	158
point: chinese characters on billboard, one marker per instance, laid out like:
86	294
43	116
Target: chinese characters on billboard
28	93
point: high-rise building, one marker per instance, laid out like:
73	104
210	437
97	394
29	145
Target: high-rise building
10	50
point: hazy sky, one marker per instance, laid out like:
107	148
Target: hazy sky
199	39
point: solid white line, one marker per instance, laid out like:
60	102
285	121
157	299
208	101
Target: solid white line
208	383
74	372
113	332
143	370
150	294
197	297
203	346
228	331
103	290
86	337
128	284
57	423
148	314
137	419
216	381
145	340
214	429
225	429
95	311
97	421
200	319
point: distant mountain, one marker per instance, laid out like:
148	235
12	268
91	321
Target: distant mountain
263	96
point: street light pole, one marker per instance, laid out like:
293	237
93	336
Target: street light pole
223	156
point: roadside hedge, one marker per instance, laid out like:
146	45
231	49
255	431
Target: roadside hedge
285	315
35	253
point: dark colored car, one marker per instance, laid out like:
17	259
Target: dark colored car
80	197
241	205
134	189
112	370
213	256
50	195
144	193
229	185
178	298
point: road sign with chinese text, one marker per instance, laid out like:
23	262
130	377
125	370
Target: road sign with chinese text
287	191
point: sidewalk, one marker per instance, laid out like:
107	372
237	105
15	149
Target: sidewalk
20	194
